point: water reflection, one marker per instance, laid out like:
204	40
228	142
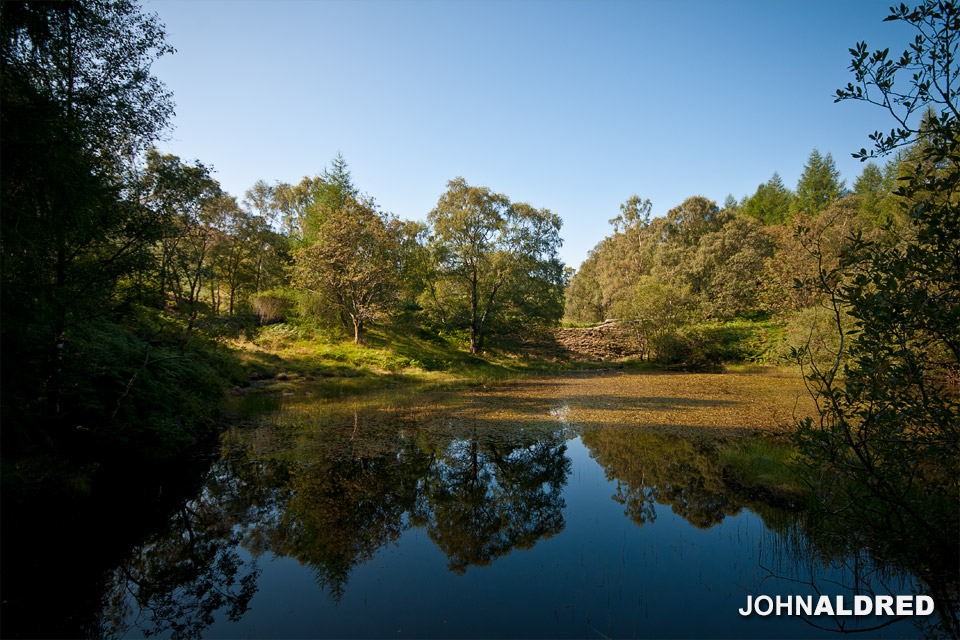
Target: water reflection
483	499
653	468
353	495
175	583
801	550
332	504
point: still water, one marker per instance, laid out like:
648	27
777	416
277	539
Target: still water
372	529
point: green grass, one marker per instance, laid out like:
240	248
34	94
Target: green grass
287	358
741	340
766	466
294	359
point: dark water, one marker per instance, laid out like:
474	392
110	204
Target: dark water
507	533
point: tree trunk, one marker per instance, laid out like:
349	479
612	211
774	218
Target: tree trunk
357	329
473	314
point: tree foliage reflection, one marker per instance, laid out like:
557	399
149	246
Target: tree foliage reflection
654	468
485	498
173	584
332	504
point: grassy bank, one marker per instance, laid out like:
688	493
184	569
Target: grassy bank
768	468
170	404
286	358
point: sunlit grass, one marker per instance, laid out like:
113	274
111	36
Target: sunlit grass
765	465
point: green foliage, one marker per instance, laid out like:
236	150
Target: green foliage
653	468
274	305
813	329
352	265
330	193
494	263
726	267
872	187
634	214
583	298
886	442
657	309
766	467
291	204
742	340
71	233
772	202
67	56
694	218
926	71
819	183
118	261
801	248
128	388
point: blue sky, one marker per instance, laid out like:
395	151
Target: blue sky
573	106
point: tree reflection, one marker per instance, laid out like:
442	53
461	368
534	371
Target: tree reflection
654	468
333	503
175	582
685	474
342	510
487	498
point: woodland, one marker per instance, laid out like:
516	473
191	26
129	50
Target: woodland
134	287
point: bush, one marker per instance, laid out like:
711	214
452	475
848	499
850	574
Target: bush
815	329
136	388
675	347
273	306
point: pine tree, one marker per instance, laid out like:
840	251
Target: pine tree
872	187
333	191
819	184
772	202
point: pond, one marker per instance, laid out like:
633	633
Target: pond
544	509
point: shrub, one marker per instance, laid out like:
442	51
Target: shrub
273	306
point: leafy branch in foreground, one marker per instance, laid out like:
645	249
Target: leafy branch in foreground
929	61
885	450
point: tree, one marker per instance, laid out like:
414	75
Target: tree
265	241
654	469
353	263
930	64
656	309
584	299
819	183
872	187
487	498
876	187
331	192
634	221
233	252
827	235
772	202
79	103
491	255
92	59
293	202
695	217
727	266
886	442
182	194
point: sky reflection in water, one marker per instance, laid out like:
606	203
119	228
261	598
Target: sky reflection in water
610	533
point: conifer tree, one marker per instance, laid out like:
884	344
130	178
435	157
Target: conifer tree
772	202
332	193
819	183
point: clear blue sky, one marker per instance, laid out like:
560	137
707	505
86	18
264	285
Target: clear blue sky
573	106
